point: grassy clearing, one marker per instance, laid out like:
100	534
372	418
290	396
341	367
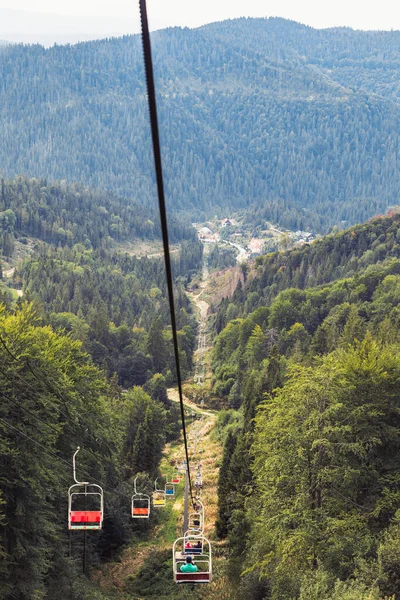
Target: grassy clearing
139	248
145	569
21	252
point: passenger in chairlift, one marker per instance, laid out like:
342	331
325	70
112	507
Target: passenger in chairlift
189	567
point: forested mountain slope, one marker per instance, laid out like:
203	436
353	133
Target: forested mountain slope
52	399
336	256
62	214
98	318
251	111
309	364
367	60
116	305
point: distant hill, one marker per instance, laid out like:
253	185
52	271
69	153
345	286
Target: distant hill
251	111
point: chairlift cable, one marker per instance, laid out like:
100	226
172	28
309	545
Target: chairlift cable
58	394
29	412
53	428
152	104
164	227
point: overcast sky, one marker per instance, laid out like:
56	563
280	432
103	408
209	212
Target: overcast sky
50	21
359	14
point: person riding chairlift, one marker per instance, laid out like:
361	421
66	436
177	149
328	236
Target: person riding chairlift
188	567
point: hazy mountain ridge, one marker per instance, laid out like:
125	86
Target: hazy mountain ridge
246	116
337	51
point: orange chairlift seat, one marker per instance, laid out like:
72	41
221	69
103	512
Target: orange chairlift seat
140	506
85	503
202	561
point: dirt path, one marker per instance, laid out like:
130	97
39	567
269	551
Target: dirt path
113	576
203	307
200	370
158	254
8	273
173	395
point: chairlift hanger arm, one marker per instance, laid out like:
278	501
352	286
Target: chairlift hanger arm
74	468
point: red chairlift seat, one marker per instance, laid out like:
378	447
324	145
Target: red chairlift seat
193	577
85	519
80	494
140	512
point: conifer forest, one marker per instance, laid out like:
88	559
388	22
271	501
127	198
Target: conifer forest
281	155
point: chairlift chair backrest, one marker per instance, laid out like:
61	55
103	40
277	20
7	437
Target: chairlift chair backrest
196	521
169	490
79	516
203	562
158	497
85	503
140	506
196	518
193	542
